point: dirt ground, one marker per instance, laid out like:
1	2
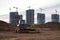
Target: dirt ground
44	35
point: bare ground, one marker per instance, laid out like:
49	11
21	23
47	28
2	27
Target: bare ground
44	35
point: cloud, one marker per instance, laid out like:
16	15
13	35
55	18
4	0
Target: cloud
4	18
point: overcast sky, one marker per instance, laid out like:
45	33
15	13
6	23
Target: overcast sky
48	5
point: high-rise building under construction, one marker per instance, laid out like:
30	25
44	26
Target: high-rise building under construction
20	17
30	16
55	18
14	19
40	18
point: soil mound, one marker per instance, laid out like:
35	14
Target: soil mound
6	26
9	27
51	25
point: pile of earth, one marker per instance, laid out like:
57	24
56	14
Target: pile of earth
51	25
9	27
6	26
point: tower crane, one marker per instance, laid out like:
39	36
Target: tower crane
41	9
14	8
56	11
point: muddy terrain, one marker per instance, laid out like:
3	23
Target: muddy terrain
48	31
45	35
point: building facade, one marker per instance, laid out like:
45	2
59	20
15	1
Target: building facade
20	17
14	19
40	18
55	18
30	16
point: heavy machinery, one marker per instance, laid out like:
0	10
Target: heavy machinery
26	28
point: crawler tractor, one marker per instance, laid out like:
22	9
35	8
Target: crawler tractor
25	28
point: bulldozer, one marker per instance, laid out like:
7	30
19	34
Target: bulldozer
25	28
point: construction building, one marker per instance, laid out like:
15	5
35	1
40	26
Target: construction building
14	19
30	16
20	17
40	18
55	18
